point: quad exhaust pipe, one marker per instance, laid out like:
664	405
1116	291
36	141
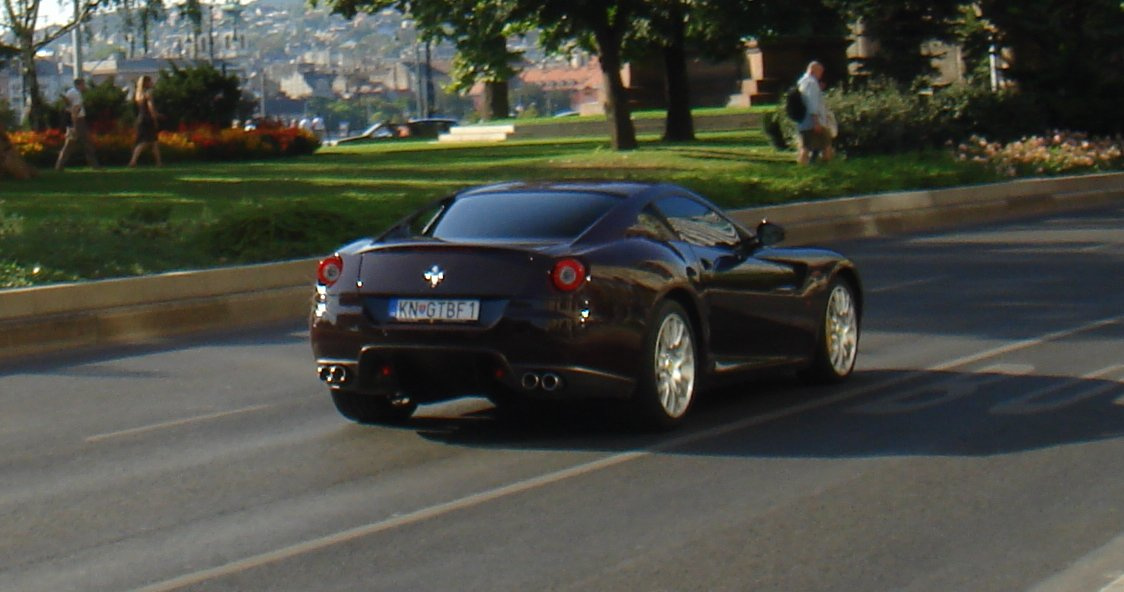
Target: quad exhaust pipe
333	374
548	381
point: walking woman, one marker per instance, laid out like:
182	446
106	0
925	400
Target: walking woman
146	121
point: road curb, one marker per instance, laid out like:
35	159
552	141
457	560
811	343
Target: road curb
44	319
918	211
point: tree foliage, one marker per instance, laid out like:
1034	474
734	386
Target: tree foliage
479	29
901	29
194	95
107	105
21	19
1067	53
601	26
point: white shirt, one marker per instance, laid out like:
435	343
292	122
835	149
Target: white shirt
813	101
74	99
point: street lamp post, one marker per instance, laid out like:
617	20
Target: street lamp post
76	38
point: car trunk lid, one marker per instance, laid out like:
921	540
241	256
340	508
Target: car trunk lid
441	270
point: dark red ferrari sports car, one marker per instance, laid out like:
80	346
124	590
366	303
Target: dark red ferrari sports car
525	292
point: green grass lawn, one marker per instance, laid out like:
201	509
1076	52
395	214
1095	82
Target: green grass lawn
85	224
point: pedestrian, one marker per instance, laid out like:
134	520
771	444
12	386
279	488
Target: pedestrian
147	118
815	137
77	132
318	128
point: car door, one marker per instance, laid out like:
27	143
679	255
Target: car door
749	301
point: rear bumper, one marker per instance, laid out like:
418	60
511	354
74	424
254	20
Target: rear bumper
548	354
433	374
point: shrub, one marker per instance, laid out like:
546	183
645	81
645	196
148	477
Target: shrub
198	95
204	143
107	107
883	118
772	123
880	118
964	110
1053	154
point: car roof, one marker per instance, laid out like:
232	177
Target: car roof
616	188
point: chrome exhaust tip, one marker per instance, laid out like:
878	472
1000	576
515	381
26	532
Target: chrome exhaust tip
551	382
530	381
333	374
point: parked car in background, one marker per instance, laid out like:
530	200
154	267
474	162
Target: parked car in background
524	292
429	127
378	131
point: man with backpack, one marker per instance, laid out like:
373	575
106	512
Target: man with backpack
77	132
815	137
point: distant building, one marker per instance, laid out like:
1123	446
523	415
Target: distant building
54	78
126	72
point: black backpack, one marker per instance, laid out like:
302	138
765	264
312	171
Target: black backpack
794	105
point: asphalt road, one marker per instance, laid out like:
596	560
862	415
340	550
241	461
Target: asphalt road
978	448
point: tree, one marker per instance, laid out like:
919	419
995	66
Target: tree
21	18
600	26
667	30
151	11
198	94
717	29
478	28
901	28
1068	54
192	10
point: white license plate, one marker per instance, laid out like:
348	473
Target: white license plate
435	310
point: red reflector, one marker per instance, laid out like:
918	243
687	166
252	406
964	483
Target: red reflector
386	371
568	274
329	271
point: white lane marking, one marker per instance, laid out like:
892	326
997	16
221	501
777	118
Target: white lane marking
901	285
173	423
1036	401
946	391
532	483
391	523
1026	343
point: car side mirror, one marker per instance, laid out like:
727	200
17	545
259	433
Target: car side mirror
769	234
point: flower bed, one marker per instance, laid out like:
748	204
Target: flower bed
200	143
1062	152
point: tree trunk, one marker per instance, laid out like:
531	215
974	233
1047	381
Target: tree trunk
622	134
679	126
497	104
37	112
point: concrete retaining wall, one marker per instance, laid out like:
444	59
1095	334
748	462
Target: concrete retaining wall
133	310
915	211
599	127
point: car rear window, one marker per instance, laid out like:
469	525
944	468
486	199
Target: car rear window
521	216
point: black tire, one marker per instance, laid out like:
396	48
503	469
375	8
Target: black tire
837	344
371	409
669	372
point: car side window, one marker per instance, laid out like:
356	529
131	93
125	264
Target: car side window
649	224
699	224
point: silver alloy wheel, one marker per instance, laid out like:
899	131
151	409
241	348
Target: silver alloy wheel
675	366
842	330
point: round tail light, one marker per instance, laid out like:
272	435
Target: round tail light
329	271
568	275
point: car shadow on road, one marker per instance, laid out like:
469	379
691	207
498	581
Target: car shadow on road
878	414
